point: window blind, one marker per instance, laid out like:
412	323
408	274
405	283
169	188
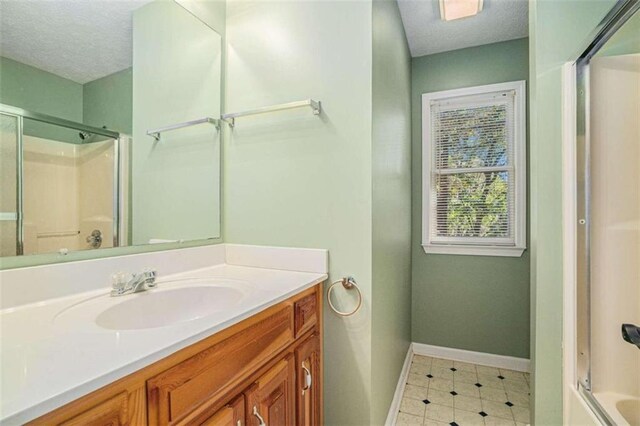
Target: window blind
473	175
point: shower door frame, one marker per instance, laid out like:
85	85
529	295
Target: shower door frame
616	18
19	219
20	115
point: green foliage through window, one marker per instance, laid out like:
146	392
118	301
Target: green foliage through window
474	203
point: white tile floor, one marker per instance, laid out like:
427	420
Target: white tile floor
445	392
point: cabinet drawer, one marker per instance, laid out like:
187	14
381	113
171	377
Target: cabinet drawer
112	412
306	313
206	376
123	404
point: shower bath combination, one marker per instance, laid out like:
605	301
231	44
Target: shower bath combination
66	190
608	220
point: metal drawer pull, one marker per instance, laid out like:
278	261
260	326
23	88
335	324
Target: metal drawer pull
348	283
258	416
307	379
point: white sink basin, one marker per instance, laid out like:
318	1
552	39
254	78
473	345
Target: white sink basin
168	304
153	309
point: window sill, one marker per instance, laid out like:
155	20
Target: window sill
473	250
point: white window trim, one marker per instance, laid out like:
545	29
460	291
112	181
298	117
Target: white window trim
520	160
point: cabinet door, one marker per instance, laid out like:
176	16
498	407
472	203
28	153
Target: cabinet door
308	388
231	414
271	399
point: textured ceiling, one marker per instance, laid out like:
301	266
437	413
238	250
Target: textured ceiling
499	20
80	40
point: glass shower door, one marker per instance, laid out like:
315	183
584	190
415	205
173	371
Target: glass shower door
62	185
609	221
70	192
10	200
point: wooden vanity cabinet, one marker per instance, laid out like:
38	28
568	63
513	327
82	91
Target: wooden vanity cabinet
265	370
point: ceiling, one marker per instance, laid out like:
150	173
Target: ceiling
81	40
500	20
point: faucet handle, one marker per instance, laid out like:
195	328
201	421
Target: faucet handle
119	280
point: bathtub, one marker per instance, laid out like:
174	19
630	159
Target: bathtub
624	410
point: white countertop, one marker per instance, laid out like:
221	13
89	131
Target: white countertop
46	361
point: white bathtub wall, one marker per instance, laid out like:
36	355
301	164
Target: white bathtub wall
95	186
68	192
615	90
50	195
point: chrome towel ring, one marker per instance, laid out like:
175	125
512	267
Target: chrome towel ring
348	283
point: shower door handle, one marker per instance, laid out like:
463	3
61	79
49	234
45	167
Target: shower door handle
631	334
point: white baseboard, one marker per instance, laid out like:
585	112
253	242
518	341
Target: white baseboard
490	360
397	396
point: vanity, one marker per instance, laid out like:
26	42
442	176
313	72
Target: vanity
230	336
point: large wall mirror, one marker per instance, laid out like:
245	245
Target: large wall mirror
109	131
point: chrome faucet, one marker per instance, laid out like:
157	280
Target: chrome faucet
124	283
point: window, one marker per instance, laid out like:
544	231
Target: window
474	171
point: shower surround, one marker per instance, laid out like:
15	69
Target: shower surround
68	193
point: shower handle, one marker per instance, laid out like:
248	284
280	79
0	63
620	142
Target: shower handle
95	239
631	334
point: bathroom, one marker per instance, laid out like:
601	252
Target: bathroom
233	212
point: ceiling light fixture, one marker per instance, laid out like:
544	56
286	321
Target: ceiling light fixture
456	9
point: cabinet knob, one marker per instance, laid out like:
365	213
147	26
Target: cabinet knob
258	416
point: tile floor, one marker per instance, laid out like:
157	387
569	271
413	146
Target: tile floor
444	392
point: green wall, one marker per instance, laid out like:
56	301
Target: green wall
211	12
27	87
558	31
476	303
391	168
24	86
339	181
172	85
108	102
625	41
295	179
